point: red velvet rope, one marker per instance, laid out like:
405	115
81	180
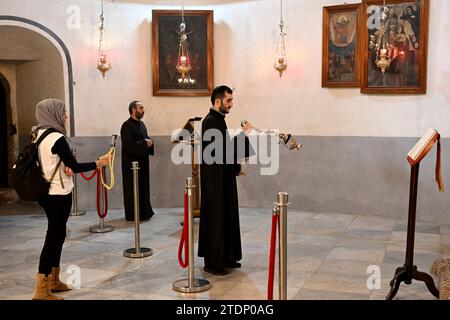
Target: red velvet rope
273	242
101	188
90	177
184	236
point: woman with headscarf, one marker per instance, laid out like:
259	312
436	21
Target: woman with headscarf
55	157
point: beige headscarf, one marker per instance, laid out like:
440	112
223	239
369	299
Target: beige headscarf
50	113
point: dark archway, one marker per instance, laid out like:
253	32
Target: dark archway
5	114
67	57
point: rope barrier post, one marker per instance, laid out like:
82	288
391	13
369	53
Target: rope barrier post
75	211
283	198
102	189
102	199
273	243
191	285
101	227
279	222
137	251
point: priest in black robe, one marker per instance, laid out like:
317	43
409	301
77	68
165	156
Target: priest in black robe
136	146
219	233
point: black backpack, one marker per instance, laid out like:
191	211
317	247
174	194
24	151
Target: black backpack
27	176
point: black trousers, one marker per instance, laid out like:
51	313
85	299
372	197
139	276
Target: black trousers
57	208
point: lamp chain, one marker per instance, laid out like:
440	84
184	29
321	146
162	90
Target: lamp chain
102	28
281	17
383	40
182	11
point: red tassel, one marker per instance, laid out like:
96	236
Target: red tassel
438	174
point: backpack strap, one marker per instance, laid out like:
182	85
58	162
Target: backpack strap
44	134
41	138
61	179
54	173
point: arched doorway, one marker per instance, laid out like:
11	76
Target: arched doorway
35	70
4	141
57	43
34	65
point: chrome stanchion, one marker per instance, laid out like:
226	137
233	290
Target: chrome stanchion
137	251
282	204
191	285
75	211
102	227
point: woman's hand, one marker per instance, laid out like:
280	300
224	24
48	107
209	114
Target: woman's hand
103	161
68	172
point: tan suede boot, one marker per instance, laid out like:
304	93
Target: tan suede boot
56	285
42	289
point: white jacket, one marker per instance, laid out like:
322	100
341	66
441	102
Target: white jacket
49	162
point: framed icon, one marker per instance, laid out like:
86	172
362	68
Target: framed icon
166	44
341	53
395	47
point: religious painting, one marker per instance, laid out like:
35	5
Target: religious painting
341	46
395	46
183	60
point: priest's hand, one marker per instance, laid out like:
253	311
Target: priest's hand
247	127
149	142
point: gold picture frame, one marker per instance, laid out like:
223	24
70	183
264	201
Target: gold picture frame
341	46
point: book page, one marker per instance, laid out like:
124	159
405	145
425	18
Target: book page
419	151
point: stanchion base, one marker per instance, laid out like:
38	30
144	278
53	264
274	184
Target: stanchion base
143	252
79	213
100	229
183	286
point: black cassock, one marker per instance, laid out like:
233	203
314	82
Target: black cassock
219	234
134	148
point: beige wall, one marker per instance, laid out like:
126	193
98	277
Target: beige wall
37	80
245	40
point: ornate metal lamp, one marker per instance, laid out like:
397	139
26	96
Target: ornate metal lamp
184	62
280	60
383	61
103	65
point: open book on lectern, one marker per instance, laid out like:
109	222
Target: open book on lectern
179	135
421	149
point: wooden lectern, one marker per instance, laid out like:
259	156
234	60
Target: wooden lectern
193	141
409	271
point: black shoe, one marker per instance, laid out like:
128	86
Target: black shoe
216	271
233	265
140	219
146	218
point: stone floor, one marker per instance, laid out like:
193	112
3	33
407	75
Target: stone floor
328	256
